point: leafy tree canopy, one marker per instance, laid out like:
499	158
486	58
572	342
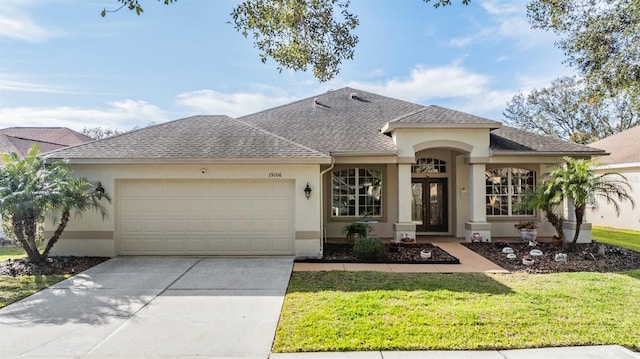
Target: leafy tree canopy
100	132
599	37
296	34
568	110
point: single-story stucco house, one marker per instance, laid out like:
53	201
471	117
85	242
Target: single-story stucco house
624	158
281	181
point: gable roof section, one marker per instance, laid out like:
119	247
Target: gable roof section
345	120
509	141
624	147
20	139
440	117
192	139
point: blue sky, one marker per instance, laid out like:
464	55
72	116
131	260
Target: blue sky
61	64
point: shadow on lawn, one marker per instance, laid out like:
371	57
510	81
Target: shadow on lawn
374	281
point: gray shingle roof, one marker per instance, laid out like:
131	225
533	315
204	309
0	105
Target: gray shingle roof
624	147
198	137
439	115
335	121
509	139
341	121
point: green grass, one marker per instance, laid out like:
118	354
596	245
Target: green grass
11	253
353	311
619	237
13	289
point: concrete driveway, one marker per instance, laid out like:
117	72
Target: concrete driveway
132	307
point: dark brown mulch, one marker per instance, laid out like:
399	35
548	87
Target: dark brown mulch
410	254
584	259
54	265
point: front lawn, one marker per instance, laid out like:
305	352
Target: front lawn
618	237
362	311
12	289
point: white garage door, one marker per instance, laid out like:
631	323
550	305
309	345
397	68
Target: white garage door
206	217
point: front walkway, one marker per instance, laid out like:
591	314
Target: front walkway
470	262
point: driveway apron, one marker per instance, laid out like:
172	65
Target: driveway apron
171	307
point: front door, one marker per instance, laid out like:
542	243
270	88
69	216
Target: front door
429	204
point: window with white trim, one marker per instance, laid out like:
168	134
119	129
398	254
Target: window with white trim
356	192
505	189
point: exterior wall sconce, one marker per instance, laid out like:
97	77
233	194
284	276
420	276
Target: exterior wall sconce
307	191
99	190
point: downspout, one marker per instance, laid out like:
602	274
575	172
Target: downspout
323	233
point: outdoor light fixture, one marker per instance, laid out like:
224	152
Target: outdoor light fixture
307	191
99	190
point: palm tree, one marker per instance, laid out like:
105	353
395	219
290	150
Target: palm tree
577	180
540	199
77	195
30	188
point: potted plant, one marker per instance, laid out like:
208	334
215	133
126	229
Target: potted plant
528	230
356	230
527	260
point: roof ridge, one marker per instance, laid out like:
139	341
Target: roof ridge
410	113
34	140
278	137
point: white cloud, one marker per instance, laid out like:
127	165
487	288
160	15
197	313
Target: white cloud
460	41
16	23
425	83
17	83
498	7
123	115
452	86
211	102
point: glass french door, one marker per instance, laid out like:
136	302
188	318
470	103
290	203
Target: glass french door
429	204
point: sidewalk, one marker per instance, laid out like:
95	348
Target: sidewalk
588	352
470	262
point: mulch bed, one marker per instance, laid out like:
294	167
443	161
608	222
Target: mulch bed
584	259
54	265
406	253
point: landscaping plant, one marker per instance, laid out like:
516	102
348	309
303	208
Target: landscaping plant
578	181
31	188
368	249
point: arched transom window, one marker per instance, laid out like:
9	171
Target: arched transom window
429	165
505	189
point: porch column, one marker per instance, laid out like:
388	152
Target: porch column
477	224
570	224
404	225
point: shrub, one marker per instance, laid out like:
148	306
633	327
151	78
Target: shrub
367	249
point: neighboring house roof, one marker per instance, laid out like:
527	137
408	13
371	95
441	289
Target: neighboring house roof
20	139
508	140
192	138
344	121
624	147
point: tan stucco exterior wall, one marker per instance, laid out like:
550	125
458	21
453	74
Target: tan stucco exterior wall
629	218
91	235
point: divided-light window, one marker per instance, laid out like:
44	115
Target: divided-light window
356	192
505	189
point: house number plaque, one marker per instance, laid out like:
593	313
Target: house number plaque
275	174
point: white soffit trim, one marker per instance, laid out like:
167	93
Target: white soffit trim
226	161
390	126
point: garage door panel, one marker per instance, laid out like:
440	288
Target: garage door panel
239	217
